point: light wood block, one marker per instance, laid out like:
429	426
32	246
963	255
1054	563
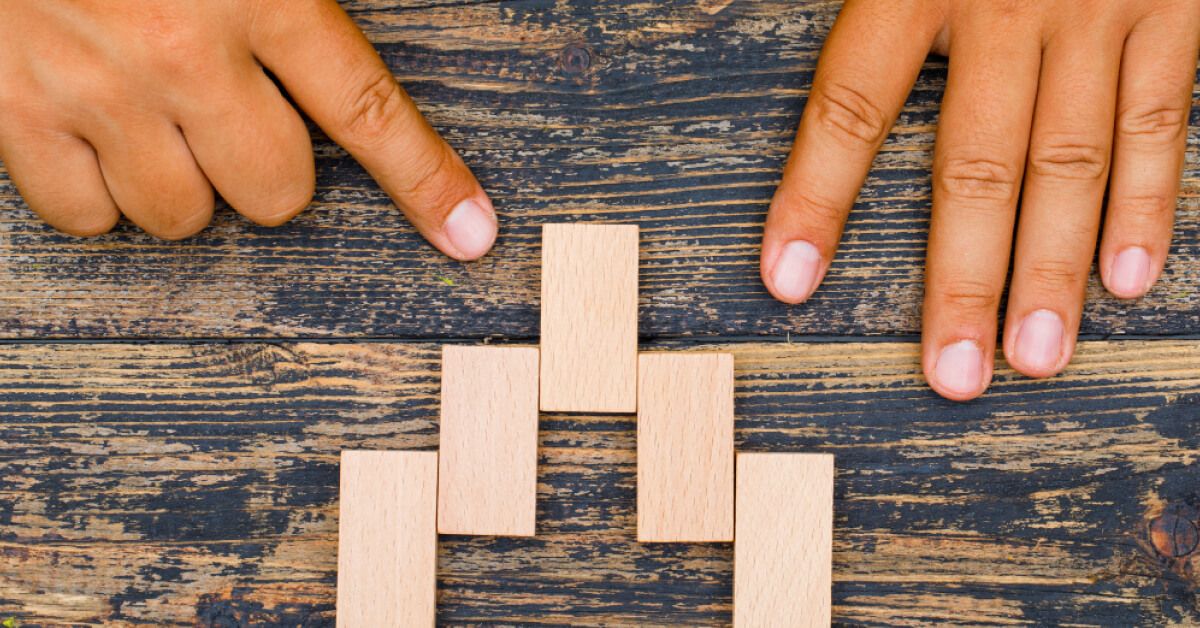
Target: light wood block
685	447
489	438
387	539
589	318
783	553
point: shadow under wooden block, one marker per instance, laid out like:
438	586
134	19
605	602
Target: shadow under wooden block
589	318
387	539
782	557
685	447
489	441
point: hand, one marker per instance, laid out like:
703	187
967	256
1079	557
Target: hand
141	108
1046	100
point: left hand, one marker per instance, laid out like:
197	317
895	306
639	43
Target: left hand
1052	101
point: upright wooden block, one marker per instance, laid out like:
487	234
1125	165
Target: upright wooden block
489	438
685	447
783	552
589	318
387	539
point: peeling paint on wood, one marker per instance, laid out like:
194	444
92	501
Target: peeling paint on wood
197	484
676	115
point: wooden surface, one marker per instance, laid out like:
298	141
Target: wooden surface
674	115
175	483
685	447
187	474
781	558
589	318
488	439
387	539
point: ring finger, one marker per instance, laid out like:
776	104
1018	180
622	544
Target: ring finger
153	177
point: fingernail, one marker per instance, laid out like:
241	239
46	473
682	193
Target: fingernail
1039	341
1130	273
471	229
796	271
959	368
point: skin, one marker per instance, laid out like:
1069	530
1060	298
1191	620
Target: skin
146	106
1050	102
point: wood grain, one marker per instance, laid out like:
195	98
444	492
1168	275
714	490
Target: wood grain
387	539
674	115
781	558
685	447
589	318
487	448
182	484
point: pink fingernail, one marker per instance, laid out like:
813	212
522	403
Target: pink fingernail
1130	274
471	229
959	368
1039	341
796	271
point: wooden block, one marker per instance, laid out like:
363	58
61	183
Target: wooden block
489	438
589	318
387	539
685	447
783	552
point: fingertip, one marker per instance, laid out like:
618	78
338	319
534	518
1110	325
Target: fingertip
1039	346
960	371
1130	274
793	273
470	229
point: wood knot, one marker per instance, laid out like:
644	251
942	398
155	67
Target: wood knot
575	59
1174	533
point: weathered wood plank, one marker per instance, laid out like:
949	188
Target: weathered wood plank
190	484
675	115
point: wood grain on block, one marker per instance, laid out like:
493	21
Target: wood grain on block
782	558
589	318
387	539
685	447
489	438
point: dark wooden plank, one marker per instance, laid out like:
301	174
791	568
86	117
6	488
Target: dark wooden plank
676	115
197	484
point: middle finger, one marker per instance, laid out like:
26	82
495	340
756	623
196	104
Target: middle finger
1069	156
978	163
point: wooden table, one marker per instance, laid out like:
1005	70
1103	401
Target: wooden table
171	413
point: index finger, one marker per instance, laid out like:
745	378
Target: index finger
336	76
867	68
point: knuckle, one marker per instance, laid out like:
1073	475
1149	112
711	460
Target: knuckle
426	175
1061	159
172	45
970	296
1151	208
1012	8
848	115
282	206
1152	122
813	209
977	178
375	106
1053	276
183	221
90	224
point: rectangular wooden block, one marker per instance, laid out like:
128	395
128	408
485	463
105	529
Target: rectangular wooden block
489	441
685	447
589	318
782	558
387	539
